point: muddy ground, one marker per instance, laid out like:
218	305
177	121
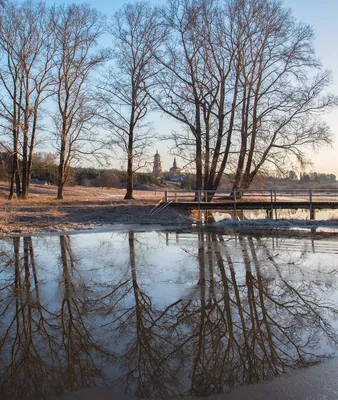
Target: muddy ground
82	208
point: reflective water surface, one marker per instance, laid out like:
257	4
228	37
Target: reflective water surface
300	214
163	314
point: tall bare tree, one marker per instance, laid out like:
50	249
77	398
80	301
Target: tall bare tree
76	30
198	84
283	90
138	32
10	80
26	76
179	89
243	80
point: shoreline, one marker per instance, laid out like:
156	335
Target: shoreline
91	210
297	228
89	218
141	227
82	209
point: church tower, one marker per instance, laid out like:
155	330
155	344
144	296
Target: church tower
174	170
157	170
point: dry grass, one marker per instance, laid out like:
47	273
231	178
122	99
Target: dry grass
82	208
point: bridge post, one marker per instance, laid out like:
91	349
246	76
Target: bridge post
269	214
275	199
271	205
199	205
198	196
235	210
312	214
312	211
166	196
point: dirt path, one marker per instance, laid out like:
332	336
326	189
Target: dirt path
83	208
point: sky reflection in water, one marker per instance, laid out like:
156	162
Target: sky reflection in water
162	313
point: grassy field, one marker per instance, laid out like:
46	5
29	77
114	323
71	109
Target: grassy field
82	208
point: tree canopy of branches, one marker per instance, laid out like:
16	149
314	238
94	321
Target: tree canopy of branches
46	52
137	32
76	30
26	51
242	78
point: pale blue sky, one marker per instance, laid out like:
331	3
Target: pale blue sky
322	16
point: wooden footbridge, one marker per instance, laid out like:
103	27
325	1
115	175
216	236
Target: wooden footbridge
270	200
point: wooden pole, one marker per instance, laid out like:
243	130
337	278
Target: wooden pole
271	204
275	199
312	211
199	205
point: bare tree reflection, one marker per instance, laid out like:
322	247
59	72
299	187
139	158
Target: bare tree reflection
44	351
80	361
256	327
146	335
24	366
238	324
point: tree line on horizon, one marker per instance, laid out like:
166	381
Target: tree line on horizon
239	77
45	171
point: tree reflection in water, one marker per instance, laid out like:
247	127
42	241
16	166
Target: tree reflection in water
43	351
237	325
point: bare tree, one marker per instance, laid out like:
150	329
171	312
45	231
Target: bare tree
76	29
179	89
242	79
198	84
282	90
138	33
9	75
27	51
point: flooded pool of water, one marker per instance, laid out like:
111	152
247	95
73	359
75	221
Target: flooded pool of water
163	313
320	215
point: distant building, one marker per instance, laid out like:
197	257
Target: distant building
174	170
178	178
39	181
157	170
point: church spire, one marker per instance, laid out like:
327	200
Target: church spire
157	169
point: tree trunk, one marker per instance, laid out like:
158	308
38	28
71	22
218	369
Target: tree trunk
130	171
31	151
216	176
198	138
24	167
199	164
11	187
130	179
61	177
15	178
244	138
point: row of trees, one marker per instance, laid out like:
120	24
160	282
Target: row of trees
240	77
317	177
46	54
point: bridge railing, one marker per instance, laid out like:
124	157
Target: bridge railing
268	195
